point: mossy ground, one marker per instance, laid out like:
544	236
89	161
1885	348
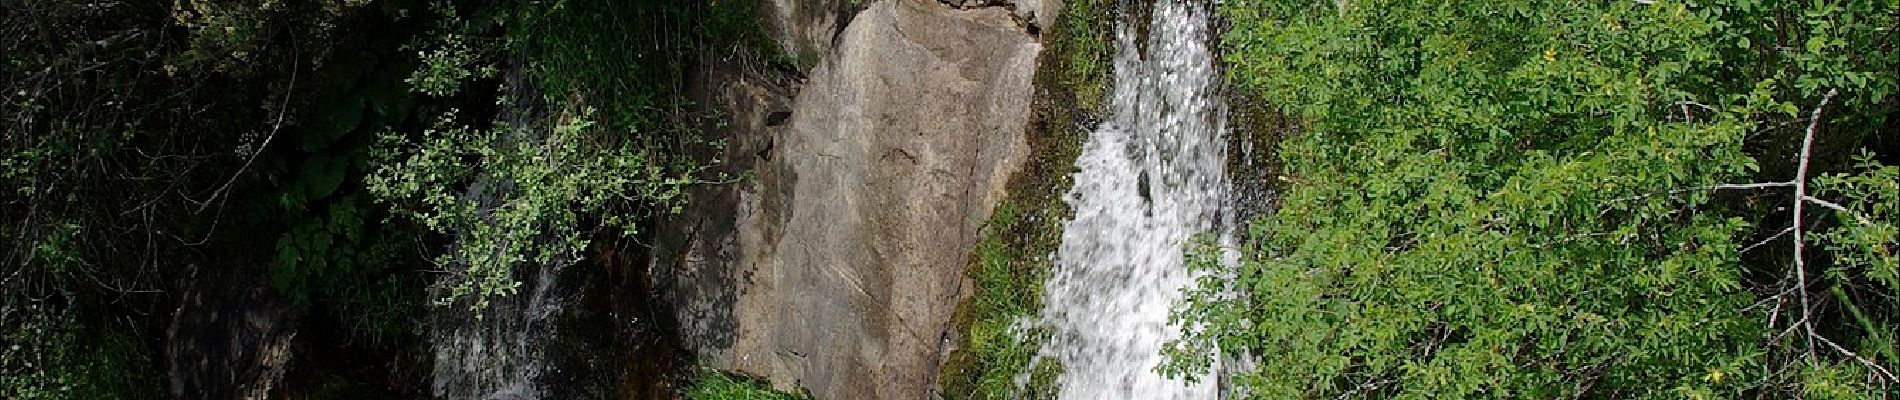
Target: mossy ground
1013	257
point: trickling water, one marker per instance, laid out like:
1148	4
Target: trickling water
496	352
497	356
1149	178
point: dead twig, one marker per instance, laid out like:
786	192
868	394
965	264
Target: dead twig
1726	186
1800	200
1770	238
1882	371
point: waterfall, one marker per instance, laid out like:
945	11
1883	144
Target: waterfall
498	355
1149	178
496	352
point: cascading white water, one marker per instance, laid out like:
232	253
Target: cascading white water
496	352
1150	177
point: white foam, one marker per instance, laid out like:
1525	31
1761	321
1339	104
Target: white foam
1149	179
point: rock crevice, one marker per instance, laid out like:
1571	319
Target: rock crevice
1029	15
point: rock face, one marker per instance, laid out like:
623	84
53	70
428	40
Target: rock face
805	29
1033	12
228	341
837	267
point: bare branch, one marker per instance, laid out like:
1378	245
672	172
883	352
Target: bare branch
1688	115
222	194
1837	207
1883	372
282	109
1686	103
1770	238
1825	203
1800	199
1365	386
1736	186
1725	186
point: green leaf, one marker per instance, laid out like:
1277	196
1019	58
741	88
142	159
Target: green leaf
322	174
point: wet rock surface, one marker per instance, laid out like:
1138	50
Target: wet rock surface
228	340
836	266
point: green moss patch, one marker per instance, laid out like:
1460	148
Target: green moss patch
1012	259
715	385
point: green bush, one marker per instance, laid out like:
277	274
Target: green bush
1519	199
47	353
532	191
531	183
715	385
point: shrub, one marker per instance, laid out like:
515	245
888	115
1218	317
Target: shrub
1524	199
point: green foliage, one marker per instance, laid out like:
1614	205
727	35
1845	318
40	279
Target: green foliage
334	255
1865	250
526	189
229	141
37	369
1083	38
1501	199
46	353
446	65
628	59
237	36
715	385
342	260
1000	344
518	189
162	144
1866	245
563	41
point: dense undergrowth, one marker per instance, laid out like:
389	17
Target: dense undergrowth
325	151
1538	199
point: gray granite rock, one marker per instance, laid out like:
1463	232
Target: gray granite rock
837	267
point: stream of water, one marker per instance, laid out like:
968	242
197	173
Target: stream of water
496	352
496	355
1150	178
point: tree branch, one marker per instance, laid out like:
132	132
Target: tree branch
1736	186
1800	199
1770	238
1883	372
1725	186
1837	207
1825	203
